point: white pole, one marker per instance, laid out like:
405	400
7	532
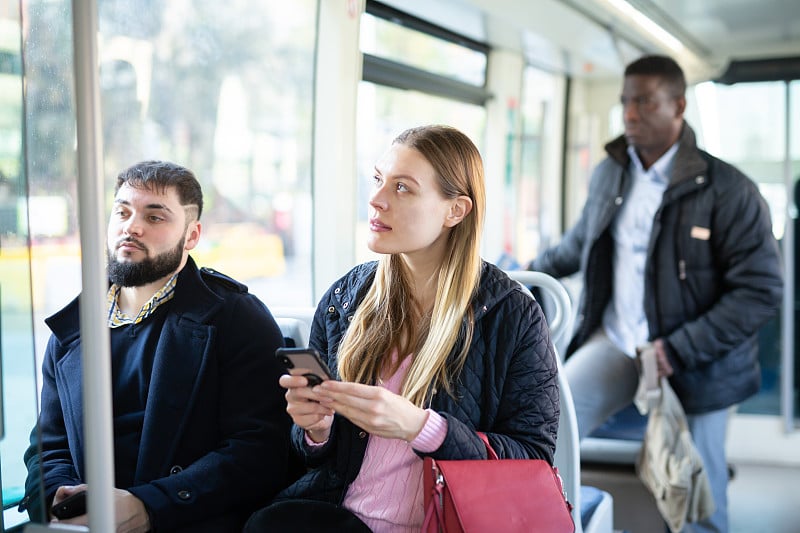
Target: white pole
98	448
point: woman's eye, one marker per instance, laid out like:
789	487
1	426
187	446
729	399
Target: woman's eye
377	180
401	187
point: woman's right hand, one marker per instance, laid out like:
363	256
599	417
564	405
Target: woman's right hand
304	407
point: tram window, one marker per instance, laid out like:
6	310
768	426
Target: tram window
385	39
224	89
753	138
18	385
537	192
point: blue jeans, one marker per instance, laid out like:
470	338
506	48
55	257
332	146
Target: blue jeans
603	380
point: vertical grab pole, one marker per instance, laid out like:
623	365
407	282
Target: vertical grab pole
787	314
98	449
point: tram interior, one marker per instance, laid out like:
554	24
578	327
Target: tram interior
282	106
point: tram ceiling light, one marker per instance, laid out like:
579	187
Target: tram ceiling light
646	25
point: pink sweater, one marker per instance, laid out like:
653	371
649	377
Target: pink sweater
387	493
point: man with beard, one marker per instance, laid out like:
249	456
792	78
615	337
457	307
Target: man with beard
200	423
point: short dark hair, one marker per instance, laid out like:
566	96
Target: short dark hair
158	175
662	66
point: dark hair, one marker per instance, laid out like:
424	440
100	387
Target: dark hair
159	175
662	66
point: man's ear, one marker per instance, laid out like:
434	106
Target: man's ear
460	208
192	235
680	106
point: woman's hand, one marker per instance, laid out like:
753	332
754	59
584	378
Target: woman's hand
376	410
303	405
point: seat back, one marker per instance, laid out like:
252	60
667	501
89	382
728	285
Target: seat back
567	457
295	324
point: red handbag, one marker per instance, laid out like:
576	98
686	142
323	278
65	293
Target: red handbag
508	495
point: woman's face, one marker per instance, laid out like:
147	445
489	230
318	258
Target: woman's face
408	213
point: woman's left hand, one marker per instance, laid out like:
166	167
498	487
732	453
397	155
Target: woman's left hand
374	409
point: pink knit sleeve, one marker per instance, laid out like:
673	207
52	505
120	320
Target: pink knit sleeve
433	433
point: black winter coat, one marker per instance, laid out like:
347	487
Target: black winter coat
508	386
712	277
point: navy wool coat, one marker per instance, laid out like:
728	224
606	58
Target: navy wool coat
215	441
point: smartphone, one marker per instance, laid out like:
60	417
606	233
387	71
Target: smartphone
304	362
70	507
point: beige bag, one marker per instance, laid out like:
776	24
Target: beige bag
669	464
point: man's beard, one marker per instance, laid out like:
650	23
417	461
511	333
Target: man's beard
148	270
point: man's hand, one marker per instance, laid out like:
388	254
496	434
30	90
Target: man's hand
662	361
130	512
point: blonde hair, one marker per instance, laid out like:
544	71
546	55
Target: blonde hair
387	318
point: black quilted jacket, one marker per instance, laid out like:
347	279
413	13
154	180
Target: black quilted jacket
507	388
713	274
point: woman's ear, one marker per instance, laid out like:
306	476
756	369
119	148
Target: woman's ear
460	208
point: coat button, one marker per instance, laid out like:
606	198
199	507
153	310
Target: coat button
331	309
175	470
346	305
184	494
350	318
362	434
618	200
337	290
700	180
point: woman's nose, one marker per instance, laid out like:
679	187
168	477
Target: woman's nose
377	200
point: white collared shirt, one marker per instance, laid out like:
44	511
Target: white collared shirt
624	319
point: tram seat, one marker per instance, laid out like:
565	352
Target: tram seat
295	324
593	510
618	440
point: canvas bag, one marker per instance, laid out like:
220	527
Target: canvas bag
508	495
669	465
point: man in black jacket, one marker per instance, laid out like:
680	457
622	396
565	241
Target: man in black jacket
676	251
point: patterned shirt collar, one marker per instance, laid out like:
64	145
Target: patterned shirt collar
117	318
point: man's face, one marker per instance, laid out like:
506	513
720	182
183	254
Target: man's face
653	115
149	236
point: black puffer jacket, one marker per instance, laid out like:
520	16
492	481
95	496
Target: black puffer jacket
507	388
713	272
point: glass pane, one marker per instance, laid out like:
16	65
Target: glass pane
18	385
224	89
540	148
385	39
383	113
758	150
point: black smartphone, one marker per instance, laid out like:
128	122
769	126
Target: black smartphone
70	506
304	362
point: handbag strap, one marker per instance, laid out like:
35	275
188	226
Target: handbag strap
489	450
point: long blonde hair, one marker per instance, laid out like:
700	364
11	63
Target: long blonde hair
388	317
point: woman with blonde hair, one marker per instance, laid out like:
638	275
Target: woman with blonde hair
429	345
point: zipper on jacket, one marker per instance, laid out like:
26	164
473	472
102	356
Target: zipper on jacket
682	269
